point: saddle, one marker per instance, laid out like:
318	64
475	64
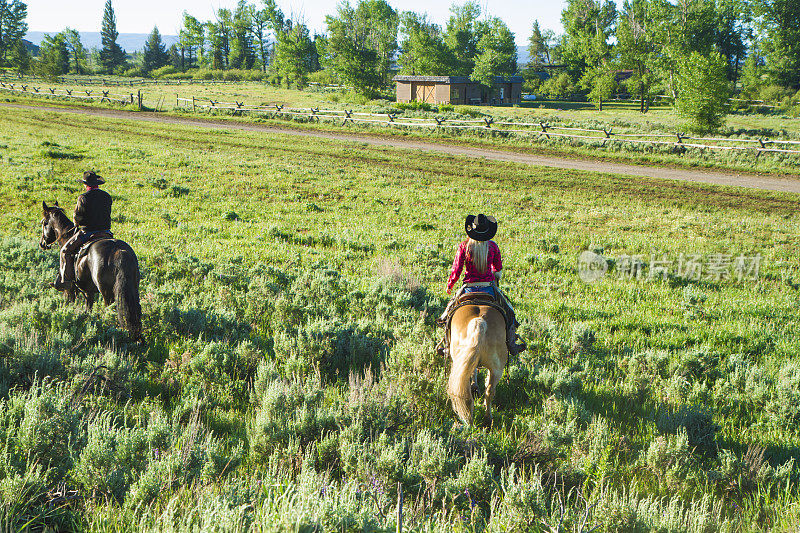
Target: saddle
90	240
474	298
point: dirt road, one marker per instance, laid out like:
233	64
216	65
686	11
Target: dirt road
751	181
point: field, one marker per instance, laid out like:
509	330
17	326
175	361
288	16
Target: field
618	117
289	382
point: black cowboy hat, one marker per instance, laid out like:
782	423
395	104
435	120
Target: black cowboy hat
90	178
480	228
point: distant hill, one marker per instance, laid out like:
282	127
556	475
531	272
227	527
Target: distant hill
522	56
130	42
32	48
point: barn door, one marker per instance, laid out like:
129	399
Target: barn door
425	92
430	94
419	93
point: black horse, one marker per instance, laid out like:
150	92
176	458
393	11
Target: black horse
109	267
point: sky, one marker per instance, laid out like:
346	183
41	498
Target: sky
139	16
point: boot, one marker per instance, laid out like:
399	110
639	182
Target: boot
514	347
61	285
66	277
442	348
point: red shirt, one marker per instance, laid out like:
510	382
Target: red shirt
493	264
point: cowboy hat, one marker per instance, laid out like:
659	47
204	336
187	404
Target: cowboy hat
480	228
91	179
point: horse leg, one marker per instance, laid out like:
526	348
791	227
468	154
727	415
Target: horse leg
90	299
108	294
69	295
493	376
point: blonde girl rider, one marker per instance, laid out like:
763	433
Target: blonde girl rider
479	257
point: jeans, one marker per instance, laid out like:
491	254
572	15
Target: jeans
487	290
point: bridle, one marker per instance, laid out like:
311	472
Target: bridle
43	244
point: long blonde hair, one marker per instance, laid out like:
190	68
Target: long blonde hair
478	253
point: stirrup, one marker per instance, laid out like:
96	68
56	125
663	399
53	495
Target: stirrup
515	348
62	285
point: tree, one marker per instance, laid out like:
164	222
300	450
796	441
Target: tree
753	76
780	44
111	55
588	24
539	48
53	56
680	29
732	32
219	37
295	55
260	31
361	43
462	34
192	39
20	58
423	50
155	53
242	53
703	91
76	50
636	47
12	26
176	57
497	52
383	22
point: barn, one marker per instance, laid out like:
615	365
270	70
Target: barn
457	90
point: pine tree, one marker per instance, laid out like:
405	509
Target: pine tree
20	58
111	56
155	53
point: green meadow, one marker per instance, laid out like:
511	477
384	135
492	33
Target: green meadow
618	117
288	379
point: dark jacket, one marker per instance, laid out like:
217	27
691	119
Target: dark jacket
93	211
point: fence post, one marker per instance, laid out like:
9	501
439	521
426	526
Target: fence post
192	104
139	98
399	507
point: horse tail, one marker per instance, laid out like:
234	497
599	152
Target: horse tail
465	360
126	292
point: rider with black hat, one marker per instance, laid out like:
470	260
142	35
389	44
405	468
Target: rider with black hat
479	257
92	220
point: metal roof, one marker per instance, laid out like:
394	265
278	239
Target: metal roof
454	79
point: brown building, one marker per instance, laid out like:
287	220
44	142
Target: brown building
457	90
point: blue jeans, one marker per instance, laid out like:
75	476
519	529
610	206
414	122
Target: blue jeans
487	290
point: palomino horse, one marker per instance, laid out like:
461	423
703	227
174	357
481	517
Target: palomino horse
477	338
110	267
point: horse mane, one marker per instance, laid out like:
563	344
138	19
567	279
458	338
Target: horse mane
61	217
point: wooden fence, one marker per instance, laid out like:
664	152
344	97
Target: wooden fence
110	82
540	129
679	141
82	94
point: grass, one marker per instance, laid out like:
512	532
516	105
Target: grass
621	117
289	380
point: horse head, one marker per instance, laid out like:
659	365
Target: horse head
53	225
